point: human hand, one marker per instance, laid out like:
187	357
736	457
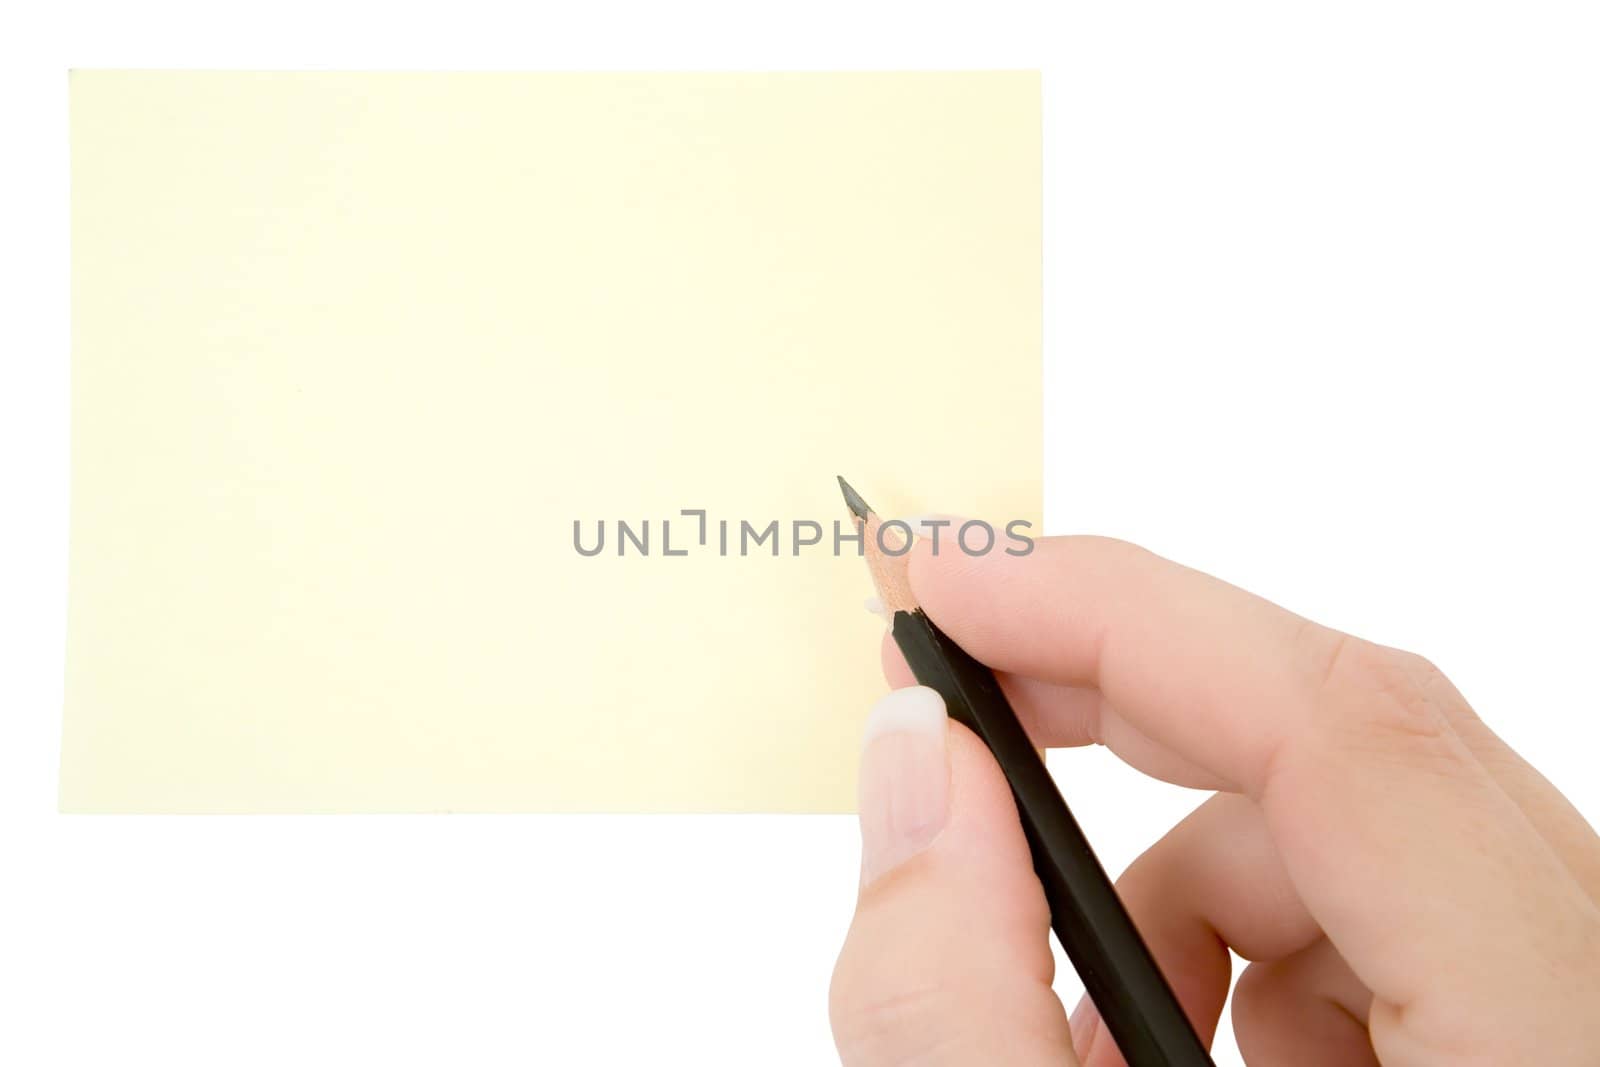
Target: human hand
1410	891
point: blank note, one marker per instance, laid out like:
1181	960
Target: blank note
352	354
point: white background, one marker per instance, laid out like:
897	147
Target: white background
1322	314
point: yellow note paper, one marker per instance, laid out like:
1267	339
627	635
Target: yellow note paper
363	362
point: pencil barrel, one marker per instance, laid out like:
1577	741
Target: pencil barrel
1135	1002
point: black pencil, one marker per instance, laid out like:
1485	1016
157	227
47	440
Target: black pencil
1133	998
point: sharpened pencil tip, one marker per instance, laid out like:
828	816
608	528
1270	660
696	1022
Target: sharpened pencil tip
853	501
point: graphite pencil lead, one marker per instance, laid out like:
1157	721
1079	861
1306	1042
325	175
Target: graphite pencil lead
853	501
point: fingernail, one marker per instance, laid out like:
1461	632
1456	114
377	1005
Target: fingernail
1085	1026
905	779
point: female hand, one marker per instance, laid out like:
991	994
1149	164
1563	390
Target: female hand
1409	891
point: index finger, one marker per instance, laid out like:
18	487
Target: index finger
1425	874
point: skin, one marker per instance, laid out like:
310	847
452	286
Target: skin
1407	889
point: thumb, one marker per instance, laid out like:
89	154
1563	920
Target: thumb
948	958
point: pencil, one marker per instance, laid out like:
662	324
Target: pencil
1119	974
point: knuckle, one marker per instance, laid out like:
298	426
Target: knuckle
1255	984
1422	672
1259	995
1371	691
881	1016
1129	553
1151	878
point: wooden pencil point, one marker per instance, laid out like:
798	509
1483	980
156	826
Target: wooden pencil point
886	553
853	501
